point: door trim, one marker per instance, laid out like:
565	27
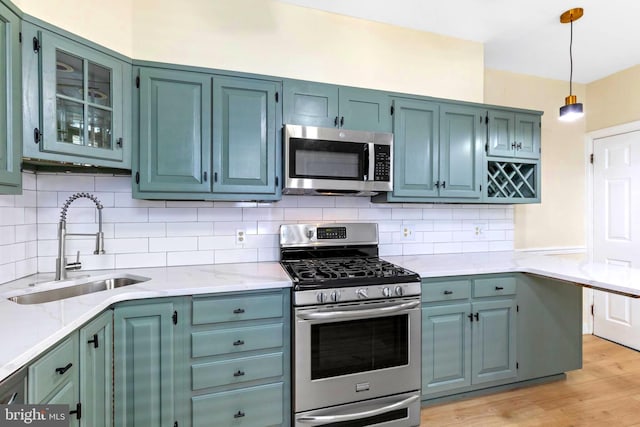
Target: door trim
590	137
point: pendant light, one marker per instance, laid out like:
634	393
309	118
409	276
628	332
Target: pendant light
572	109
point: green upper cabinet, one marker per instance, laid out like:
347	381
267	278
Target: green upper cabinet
10	105
244	135
416	148
206	137
174	142
513	134
461	141
76	101
325	105
437	152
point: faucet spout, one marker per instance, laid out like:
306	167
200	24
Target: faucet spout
61	261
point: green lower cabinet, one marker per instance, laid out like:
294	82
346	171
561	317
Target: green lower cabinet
493	341
446	348
54	378
147	348
259	406
485	331
96	371
240	359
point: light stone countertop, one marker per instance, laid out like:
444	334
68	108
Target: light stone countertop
29	330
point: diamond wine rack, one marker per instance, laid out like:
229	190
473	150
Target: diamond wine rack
511	180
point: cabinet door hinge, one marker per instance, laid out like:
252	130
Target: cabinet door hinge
20	37
277	97
77	411
393	110
138	81
591	158
37	135
36	45
592	310
137	177
175	317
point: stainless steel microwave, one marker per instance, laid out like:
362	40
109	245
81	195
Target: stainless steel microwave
332	161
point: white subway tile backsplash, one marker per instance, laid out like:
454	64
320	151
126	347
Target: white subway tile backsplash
189	258
176	229
140	230
173	244
158	259
150	233
235	255
172	214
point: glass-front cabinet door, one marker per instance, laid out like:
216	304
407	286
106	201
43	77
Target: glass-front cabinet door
78	100
74	101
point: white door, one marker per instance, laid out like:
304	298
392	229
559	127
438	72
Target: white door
616	240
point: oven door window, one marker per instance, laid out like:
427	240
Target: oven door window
354	346
327	159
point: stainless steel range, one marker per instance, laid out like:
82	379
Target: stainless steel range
356	328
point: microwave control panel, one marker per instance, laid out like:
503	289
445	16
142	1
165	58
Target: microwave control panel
382	168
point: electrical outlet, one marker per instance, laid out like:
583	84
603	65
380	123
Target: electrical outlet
240	237
407	233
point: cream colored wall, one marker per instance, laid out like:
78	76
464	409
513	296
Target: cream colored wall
269	37
108	23
613	100
559	221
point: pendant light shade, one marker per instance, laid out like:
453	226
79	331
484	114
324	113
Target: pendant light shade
572	109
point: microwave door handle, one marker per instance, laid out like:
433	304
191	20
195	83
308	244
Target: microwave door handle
367	153
326	419
350	314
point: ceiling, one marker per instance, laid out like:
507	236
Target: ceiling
523	36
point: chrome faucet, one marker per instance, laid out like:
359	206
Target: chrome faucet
61	262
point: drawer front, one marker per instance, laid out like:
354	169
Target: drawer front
446	291
56	367
249	407
217	309
494	287
214	374
211	343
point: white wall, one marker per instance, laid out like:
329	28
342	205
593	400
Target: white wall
141	233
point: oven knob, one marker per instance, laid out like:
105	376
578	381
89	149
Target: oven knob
362	293
399	291
321	297
386	292
335	296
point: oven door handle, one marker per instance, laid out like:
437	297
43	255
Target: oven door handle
350	314
324	419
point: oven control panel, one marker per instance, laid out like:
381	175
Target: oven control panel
356	293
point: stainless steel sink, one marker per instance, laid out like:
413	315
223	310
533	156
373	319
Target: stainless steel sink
77	287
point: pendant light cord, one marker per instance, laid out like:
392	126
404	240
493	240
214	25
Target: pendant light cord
571	59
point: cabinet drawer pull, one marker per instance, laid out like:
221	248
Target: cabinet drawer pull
238	342
341	121
513	146
94	341
238	414
470	316
335	122
61	371
477	316
499	288
238	373
448	292
238	311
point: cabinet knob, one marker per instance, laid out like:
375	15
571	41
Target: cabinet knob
238	342
238	311
448	292
499	288
238	373
238	414
119	142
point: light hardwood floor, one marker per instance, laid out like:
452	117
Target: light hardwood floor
605	392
